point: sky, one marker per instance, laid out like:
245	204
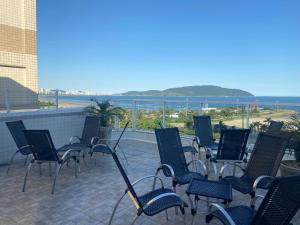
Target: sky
117	46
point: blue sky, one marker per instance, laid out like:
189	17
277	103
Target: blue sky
116	46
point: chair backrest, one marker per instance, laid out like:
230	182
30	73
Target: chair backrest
232	144
171	151
131	190
41	145
203	130
274	127
267	154
16	130
281	202
90	129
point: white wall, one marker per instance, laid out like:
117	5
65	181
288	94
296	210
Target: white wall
62	123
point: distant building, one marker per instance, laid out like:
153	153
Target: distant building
18	55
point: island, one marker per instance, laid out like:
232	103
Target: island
199	90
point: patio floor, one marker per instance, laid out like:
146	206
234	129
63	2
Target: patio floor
90	198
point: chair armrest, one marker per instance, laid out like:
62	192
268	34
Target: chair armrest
222	210
169	168
201	165
67	153
25	146
226	165
100	145
73	138
147	177
253	202
162	196
208	152
95	140
197	141
259	179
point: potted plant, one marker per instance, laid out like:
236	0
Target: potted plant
292	166
106	111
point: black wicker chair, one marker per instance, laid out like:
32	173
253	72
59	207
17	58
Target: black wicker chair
262	166
274	127
151	203
16	130
85	142
232	147
104	149
187	148
279	206
172	159
43	150
204	134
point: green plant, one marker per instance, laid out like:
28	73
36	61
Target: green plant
293	126
105	110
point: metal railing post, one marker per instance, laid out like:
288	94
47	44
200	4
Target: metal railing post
248	116
56	99
243	116
7	105
201	109
164	114
134	115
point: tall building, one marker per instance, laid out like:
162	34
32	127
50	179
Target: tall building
18	54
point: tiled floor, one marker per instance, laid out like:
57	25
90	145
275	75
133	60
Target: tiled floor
90	198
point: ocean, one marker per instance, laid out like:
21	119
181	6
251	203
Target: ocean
155	102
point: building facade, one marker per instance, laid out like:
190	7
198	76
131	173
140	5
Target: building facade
18	54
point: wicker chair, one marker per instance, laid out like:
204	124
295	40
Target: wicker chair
16	130
172	159
43	150
232	147
279	206
85	142
151	203
262	166
274	127
204	135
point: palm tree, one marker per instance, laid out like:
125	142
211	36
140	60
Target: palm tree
105	110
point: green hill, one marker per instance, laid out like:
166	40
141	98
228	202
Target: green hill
203	90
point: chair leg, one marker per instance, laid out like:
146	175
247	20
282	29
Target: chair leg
134	220
76	170
50	170
183	216
11	161
25	162
78	155
40	169
54	182
115	209
154	181
166	212
26	175
176	208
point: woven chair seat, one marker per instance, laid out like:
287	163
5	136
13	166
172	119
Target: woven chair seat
189	149
242	184
186	178
241	215
102	149
161	204
75	146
